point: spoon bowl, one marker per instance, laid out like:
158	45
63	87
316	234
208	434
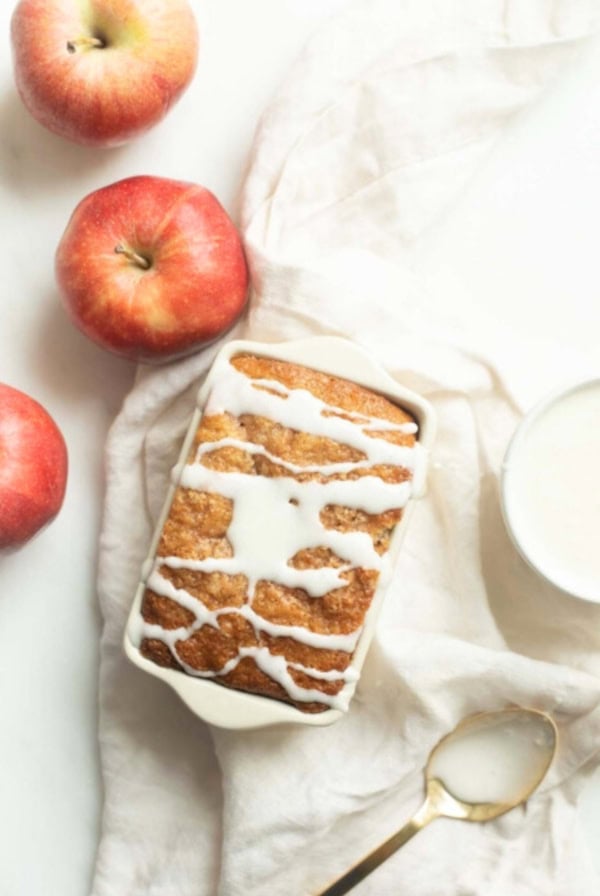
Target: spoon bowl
489	764
493	761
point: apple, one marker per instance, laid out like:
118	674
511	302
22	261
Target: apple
100	72
33	467
152	268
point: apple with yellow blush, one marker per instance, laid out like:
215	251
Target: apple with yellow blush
152	268
101	72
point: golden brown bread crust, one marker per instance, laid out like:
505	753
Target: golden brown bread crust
197	524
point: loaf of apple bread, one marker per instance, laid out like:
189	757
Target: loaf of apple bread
278	532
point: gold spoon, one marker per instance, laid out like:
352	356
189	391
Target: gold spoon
491	763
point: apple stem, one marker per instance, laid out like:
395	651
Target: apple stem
84	43
133	257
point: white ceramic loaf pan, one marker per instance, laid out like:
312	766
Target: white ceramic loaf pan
213	702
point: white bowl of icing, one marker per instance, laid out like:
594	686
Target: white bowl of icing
551	489
267	539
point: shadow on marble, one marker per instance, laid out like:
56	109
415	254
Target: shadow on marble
74	368
33	160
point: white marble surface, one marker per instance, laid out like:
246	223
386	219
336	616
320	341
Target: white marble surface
536	209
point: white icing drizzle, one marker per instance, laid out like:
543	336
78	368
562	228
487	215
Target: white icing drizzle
268	529
165	588
162	586
299	409
273	665
273	519
348	674
326	469
276	667
365	421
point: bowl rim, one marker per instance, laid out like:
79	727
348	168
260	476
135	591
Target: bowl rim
226	707
508	499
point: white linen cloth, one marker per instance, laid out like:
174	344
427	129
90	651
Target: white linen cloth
380	125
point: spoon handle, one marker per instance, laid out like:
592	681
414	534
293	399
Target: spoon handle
374	859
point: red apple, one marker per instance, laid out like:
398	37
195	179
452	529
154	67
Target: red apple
100	72
151	268
33	467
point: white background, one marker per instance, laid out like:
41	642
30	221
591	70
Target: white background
529	244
